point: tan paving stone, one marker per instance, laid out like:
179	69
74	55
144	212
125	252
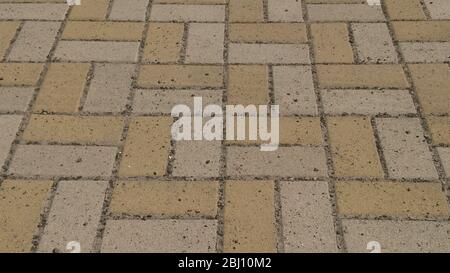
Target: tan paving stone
423	31
405	200
74	216
62	88
164	42
353	147
115	31
405	10
166	198
147	147
90	10
249	206
267	33
331	43
440	129
397	236
367	76
180	76
69	129
431	82
22	203
248	84
307	217
160	236
246	10
7	32
17	74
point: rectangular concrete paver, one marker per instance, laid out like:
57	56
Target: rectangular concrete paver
83	51
9	125
285	10
188	13
444	154
74	216
198	236
197	159
269	53
307	220
331	43
15	98
20	74
128	10
7	33
32	11
205	43
164	42
343	12
90	10
440	129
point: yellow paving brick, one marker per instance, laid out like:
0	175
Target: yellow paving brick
267	33
7	32
394	199
20	73
440	129
180	76
62	88
246	10
423	31
331	43
120	31
432	82
248	84
368	76
164	42
353	147
22	203
147	147
71	129
405	10
166	198
90	10
249	217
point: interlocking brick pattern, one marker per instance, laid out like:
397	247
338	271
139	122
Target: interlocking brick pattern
85	147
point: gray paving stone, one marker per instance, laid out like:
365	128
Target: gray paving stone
205	43
197	158
188	13
9	125
285	10
30	11
433	52
128	10
444	154
345	12
269	54
87	51
15	98
374	43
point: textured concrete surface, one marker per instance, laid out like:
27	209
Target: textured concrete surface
86	153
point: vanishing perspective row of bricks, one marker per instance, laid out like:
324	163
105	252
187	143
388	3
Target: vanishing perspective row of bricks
85	146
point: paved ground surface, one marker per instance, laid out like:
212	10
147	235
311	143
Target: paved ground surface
85	100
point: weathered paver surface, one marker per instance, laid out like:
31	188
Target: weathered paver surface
86	153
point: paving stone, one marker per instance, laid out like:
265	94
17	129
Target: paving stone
431	82
161	236
294	90
353	148
90	10
444	154
128	10
300	131
267	33
268	53
405	200
109	88
426	52
331	43
246	11
344	12
397	236
190	1
15	98
87	51
286	161
248	85
423	31
74	129
30	11
367	76
10	126
7	33
105	31
249	206
440	129
187	13
308	225
162	101
74	216
164	42
62	88
374	43
367	102
22	203
34	41
405	149
178	76
147	147
285	10
405	10
205	43
51	160
20	74
197	158
166	198
439	9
